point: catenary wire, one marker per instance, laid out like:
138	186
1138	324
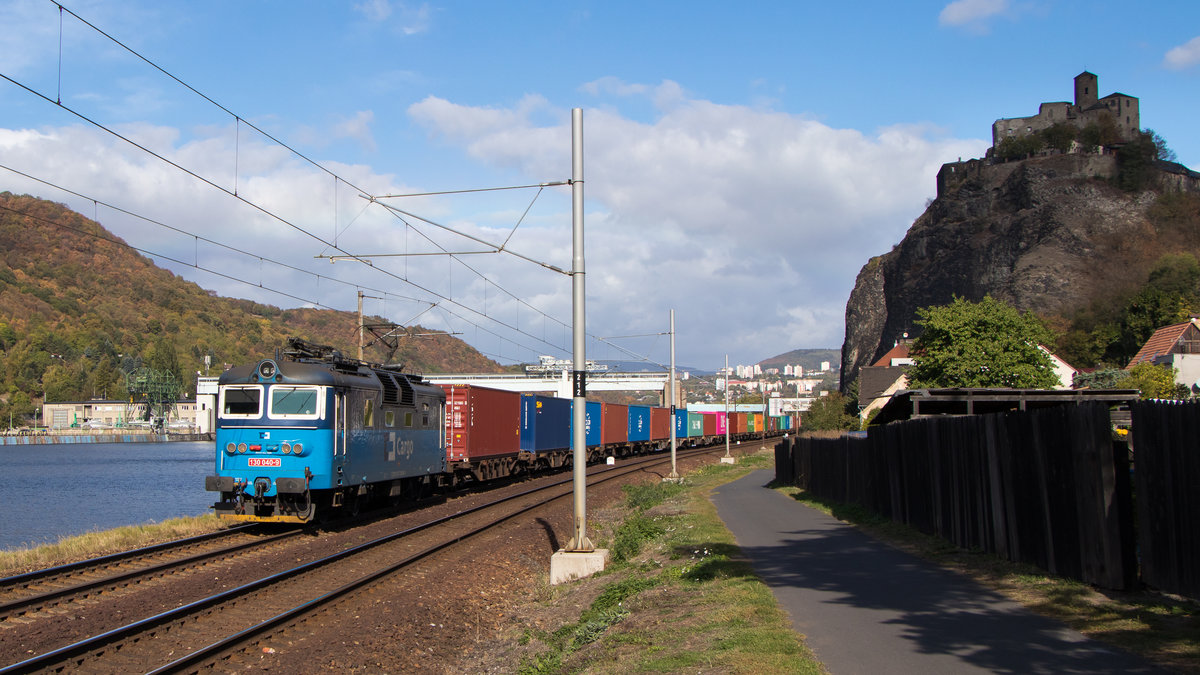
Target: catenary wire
239	120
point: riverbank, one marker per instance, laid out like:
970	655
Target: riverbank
49	437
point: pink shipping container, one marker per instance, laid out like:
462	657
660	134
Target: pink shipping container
481	422
614	423
721	424
660	424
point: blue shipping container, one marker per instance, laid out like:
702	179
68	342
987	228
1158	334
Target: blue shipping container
681	422
639	423
545	423
591	422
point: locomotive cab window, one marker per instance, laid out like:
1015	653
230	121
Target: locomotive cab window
241	402
295	403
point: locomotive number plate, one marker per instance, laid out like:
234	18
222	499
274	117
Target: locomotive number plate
264	461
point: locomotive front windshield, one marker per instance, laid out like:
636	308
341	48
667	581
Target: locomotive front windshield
241	401
294	402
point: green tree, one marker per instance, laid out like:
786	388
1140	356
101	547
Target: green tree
1162	151
983	344
1155	381
828	413
163	358
1060	136
1103	378
1149	310
1136	160
1100	134
19	409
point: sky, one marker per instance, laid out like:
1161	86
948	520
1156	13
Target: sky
741	162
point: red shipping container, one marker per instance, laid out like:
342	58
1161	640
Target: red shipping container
710	424
614	423
737	423
481	422
660	424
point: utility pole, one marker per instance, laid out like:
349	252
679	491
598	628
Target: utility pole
360	326
674	475
579	558
579	542
727	459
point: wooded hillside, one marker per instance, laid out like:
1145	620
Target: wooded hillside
79	307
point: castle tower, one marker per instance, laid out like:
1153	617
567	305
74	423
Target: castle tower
1086	93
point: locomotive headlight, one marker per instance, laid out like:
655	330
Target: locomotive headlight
230	447
286	447
297	448
241	447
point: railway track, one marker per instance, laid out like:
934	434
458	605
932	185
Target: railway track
203	629
24	595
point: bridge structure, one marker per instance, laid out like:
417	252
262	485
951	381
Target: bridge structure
560	382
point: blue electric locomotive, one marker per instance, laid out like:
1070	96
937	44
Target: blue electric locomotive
313	431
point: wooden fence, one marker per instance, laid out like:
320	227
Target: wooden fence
1047	487
1167	442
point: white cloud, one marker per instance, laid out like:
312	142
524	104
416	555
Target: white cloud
971	13
408	19
751	224
358	128
1184	56
374	10
754	216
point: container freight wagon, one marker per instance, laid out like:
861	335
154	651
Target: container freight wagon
639	424
689	425
545	429
592	413
660	424
483	435
614	421
737	424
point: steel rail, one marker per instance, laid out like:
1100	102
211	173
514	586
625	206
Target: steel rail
10	608
216	648
64	654
82	565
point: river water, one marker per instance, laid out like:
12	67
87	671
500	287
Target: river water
52	491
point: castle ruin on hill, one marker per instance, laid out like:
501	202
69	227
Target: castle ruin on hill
1087	109
1120	112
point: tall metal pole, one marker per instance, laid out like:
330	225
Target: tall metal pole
671	401
579	543
727	405
360	327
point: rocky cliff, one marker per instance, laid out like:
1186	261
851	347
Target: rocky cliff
1047	234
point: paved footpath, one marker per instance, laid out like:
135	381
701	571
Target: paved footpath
865	607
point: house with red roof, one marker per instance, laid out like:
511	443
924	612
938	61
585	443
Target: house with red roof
878	381
1177	346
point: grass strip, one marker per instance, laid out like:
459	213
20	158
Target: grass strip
677	595
98	543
